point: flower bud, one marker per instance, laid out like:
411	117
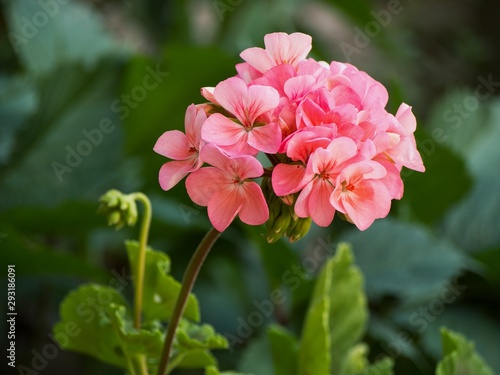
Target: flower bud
300	229
120	208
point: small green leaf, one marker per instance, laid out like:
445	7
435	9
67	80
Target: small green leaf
284	348
336	318
383	367
148	340
160	289
356	360
86	325
460	357
192	345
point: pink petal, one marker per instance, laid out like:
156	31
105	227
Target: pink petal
296	88
174	145
320	209
208	93
301	207
223	207
289	178
246	103
193	122
247	73
222	131
258	58
204	183
265	138
361	211
286	48
254	210
341	149
242	167
174	171
406	117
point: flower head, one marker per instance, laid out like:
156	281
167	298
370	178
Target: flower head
332	145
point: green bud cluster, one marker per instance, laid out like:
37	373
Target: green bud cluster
282	218
120	208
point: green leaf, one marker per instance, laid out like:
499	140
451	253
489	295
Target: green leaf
148	340
403	259
459	356
160	289
284	348
86	325
45	37
477	325
383	367
192	345
72	136
257	357
336	318
18	101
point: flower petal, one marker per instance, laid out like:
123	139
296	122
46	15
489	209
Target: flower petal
289	178
204	183
222	131
265	138
254	210
320	209
223	207
174	171
193	122
174	145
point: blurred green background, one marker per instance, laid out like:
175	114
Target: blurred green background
86	88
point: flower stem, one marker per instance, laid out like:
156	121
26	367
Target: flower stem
187	285
143	240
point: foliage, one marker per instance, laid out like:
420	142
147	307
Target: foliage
82	73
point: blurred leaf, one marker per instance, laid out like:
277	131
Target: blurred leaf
383	367
257	357
337	316
459	357
34	258
481	327
396	342
474	223
403	259
72	137
45	37
284	348
444	182
160	289
85	325
18	101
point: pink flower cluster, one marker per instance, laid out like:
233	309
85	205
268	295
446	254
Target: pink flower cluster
324	127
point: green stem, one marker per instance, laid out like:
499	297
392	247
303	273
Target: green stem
187	285
141	262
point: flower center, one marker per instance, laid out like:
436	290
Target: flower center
193	149
347	187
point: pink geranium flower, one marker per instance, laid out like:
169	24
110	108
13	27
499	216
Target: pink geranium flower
248	104
183	148
281	48
360	194
226	188
322	169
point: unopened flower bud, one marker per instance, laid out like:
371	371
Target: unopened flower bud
120	208
300	229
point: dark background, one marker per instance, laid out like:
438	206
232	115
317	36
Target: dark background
83	65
